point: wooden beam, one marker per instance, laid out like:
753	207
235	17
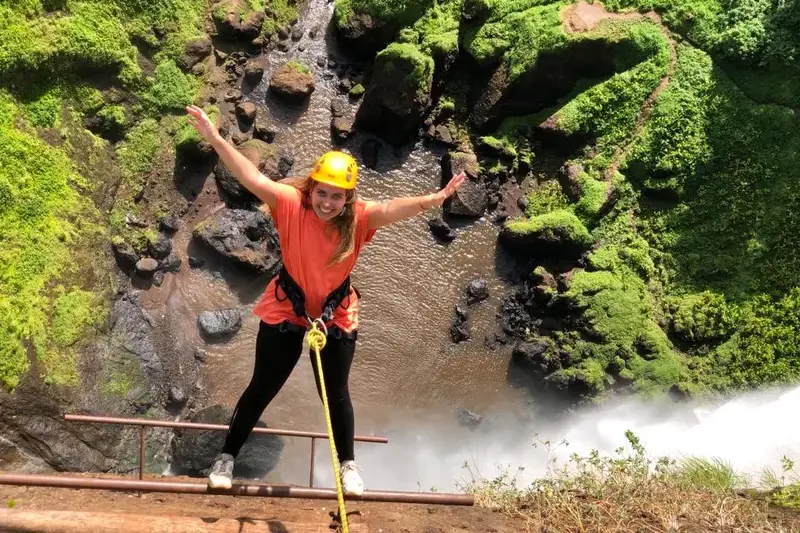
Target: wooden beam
30	521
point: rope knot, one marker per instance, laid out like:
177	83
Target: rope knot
316	337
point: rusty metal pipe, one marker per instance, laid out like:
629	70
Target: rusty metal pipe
313	458
275	491
216	427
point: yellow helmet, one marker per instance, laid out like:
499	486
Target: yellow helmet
337	169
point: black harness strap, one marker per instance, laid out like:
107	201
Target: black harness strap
295	294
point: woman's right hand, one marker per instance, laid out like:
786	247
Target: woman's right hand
200	121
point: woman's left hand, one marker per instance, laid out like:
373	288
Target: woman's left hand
448	190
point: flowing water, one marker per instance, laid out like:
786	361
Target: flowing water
408	378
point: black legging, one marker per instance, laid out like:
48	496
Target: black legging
277	353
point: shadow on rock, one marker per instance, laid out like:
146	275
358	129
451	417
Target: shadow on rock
193	451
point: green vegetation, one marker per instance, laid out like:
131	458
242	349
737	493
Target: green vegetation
517	32
546	198
170	90
42	220
282	14
562	221
185	135
53	279
408	57
357	91
630	491
298	67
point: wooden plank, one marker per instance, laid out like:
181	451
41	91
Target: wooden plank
23	521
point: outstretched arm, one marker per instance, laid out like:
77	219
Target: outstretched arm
246	172
398	209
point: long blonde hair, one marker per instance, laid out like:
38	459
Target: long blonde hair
344	222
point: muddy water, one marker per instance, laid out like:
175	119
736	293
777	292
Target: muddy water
407	371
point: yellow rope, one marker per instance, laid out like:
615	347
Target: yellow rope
316	340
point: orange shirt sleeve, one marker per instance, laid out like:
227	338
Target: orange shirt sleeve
288	204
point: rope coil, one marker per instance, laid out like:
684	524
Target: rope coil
316	339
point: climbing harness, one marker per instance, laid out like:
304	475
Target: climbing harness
297	297
316	339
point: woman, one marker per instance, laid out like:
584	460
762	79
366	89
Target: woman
322	227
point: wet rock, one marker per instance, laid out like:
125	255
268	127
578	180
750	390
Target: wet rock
313	32
196	262
219	323
158	278
536	357
176	395
301	47
364	34
292	83
297	34
169	224
245	237
264	131
569	179
345	85
233	95
370	149
545	287
263	156
195	51
441	229
468	419
172	263
194	451
398	95
161	248
285	163
283	46
240	137
356	92
246	111
200	355
283	33
146	266
459	330
522	203
338	108
253	72
341	128
477	291
235	20
471	199
440	134
125	256
257	43
321	62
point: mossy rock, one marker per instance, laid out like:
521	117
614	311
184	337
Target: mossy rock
556	234
236	19
398	95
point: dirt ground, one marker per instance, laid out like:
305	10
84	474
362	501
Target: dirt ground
378	517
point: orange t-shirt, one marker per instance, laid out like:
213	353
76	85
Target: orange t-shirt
307	244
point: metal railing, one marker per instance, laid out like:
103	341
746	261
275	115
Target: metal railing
144	423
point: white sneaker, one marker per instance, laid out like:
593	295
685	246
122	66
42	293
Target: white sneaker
221	476
352	484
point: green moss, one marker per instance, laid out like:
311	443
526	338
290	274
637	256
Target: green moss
185	135
298	67
438	29
594	193
114	115
518	32
398	14
357	91
282	13
89	37
562	220
137	152
45	109
178	20
545	198
170	90
42	218
701	317
412	60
